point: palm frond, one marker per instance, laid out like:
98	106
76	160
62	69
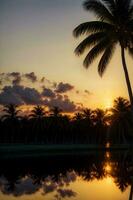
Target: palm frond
125	4
122	12
131	12
105	59
99	9
110	5
130	25
89	41
94	52
130	51
91	27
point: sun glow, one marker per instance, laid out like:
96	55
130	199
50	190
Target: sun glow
108	103
108	168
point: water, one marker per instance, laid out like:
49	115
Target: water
97	176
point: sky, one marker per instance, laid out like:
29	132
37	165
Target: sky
36	43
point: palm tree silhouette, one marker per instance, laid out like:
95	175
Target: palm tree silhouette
78	116
11	123
100	125
87	114
37	112
55	111
121	120
100	116
131	190
114	26
11	112
38	123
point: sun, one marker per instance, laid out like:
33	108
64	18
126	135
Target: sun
108	103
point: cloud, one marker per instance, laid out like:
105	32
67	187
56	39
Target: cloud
42	80
63	87
27	185
16	78
62	102
31	76
63	193
23	186
19	95
13	78
45	92
48	93
49	187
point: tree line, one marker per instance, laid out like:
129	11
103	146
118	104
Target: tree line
85	127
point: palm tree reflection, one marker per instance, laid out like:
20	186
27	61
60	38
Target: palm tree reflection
30	177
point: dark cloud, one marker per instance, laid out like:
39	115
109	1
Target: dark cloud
14	74
31	76
63	193
62	102
51	94
26	185
63	87
20	95
16	77
48	93
13	78
22	187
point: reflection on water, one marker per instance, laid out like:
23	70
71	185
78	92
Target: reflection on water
98	176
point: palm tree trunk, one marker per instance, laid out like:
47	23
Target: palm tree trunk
127	76
131	191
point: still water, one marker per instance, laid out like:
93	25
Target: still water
95	176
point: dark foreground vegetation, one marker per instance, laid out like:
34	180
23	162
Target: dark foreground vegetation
86	127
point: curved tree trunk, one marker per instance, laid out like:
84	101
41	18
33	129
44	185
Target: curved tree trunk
131	191
127	76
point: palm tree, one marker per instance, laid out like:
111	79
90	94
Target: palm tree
37	112
11	123
121	120
38	123
121	106
100	118
87	114
78	116
114	26
11	112
131	190
56	111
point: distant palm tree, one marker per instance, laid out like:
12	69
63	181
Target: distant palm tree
37	112
11	123
121	120
78	116
114	26
121	106
11	111
55	111
87	114
38	123
100	117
